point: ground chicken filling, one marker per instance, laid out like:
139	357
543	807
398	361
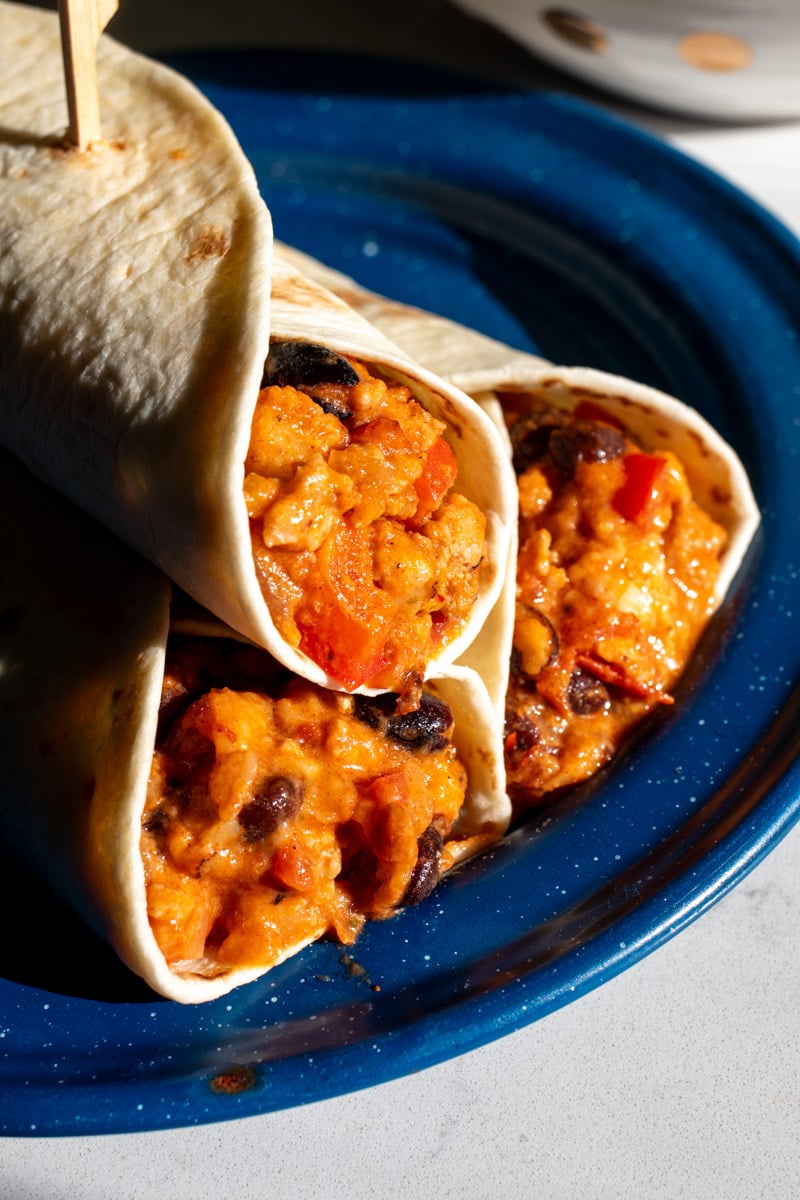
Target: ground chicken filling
367	558
279	812
615	583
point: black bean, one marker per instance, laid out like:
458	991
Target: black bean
188	751
522	729
277	798
530	437
427	870
375	711
304	364
175	699
359	876
584	441
425	728
585	694
157	821
521	680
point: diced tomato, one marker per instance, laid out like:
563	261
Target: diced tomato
438	475
388	789
642	472
346	627
290	865
439	624
382	432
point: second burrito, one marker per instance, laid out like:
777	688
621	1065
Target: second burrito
634	518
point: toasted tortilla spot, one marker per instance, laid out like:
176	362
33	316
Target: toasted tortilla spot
293	290
62	148
211	242
702	448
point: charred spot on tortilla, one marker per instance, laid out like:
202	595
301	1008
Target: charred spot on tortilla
63	149
295	290
210	242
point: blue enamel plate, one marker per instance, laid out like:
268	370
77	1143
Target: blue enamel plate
545	223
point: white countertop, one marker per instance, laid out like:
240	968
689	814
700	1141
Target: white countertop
677	1079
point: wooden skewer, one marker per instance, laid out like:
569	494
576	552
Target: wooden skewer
82	22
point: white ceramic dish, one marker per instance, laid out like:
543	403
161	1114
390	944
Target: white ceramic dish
722	59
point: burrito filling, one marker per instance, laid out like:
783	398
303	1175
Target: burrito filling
368	560
615	583
279	812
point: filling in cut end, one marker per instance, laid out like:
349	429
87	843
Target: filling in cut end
368	559
615	584
279	812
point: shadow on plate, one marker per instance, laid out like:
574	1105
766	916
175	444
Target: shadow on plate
47	946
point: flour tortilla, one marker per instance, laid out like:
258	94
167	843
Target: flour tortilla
482	367
137	300
80	686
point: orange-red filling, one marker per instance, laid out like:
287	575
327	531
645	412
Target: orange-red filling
367	557
279	812
615	584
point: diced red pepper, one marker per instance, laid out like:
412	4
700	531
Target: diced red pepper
438	476
439	623
385	790
347	625
382	432
642	472
613	673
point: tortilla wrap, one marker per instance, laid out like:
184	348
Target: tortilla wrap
483	367
634	518
83	662
138	300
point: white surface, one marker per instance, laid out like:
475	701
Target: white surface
644	52
679	1079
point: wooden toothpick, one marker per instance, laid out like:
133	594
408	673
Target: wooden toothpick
82	22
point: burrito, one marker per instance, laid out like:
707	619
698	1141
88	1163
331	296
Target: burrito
206	810
634	519
237	424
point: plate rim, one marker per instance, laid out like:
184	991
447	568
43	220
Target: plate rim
411	1047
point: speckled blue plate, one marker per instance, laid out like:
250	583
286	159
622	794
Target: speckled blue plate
548	224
